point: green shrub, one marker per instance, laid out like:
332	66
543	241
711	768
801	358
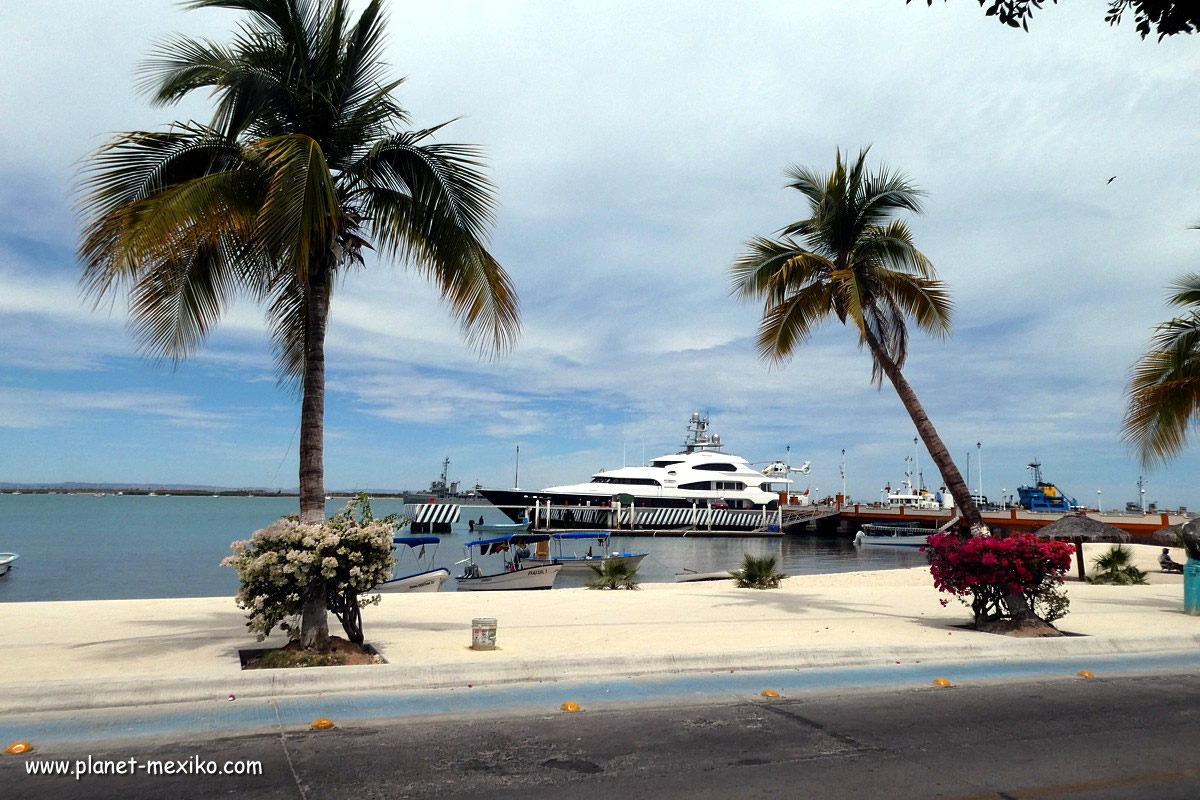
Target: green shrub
1116	567
614	574
757	573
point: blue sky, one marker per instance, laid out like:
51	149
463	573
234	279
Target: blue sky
635	147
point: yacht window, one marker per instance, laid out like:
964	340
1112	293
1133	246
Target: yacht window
717	467
626	481
663	464
697	486
730	485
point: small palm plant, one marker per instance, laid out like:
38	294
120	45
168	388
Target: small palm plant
614	574
1116	567
757	573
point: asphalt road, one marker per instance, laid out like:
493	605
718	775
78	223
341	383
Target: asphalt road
1098	738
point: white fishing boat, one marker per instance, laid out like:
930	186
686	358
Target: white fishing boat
564	548
699	485
6	562
893	535
426	577
515	575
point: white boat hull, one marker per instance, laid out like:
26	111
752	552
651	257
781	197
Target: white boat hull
692	577
6	562
539	577
499	529
429	581
582	565
891	540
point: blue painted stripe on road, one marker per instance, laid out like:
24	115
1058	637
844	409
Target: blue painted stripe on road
177	721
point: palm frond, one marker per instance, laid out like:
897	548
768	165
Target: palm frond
1185	291
301	210
926	302
288	322
431	206
768	269
1164	392
788	324
891	246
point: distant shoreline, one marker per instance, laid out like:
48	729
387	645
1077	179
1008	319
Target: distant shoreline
164	491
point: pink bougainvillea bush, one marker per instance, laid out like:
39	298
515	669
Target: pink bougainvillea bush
999	575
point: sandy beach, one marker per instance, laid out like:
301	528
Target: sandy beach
120	651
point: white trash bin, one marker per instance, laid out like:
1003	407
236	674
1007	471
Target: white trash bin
483	633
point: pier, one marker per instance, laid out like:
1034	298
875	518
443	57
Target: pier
1011	520
630	520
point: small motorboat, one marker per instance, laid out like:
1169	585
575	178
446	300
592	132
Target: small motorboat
902	535
426	578
6	562
498	528
575	563
513	550
692	576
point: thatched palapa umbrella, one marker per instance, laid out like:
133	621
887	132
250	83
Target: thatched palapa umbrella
1079	528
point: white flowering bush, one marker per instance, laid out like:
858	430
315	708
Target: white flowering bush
280	565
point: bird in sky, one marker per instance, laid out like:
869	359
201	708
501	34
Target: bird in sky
1110	180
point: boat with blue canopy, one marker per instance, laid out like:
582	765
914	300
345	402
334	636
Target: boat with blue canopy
426	577
565	548
517	572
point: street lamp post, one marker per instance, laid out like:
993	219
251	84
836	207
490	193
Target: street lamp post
1003	499
1099	505
979	459
843	470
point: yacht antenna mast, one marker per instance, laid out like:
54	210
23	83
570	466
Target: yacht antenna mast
517	469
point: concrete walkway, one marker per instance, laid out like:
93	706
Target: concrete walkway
104	654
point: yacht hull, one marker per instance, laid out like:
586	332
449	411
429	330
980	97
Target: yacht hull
657	513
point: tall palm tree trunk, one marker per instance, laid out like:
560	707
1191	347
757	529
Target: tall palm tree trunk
933	443
314	621
1018	609
312	412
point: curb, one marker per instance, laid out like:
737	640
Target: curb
78	695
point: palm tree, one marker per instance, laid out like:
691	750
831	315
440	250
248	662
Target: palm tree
1116	567
1164	391
614	574
305	163
851	259
757	573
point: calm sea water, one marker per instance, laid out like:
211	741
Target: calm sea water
84	547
